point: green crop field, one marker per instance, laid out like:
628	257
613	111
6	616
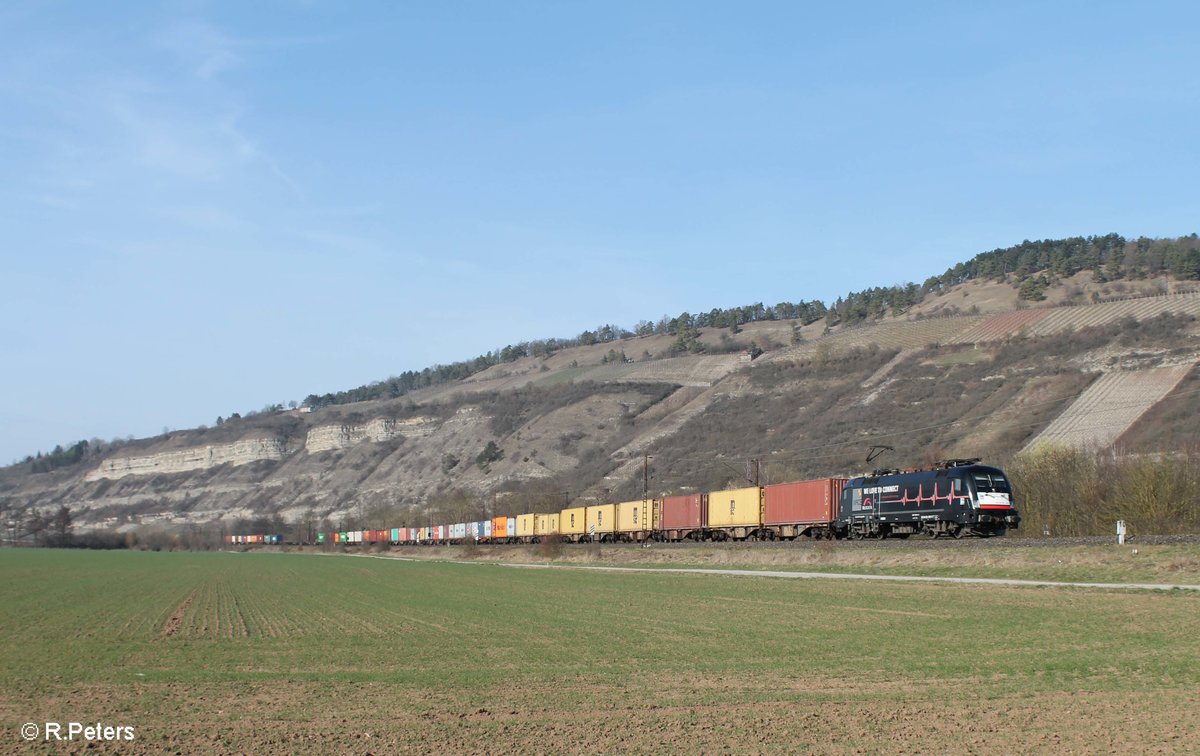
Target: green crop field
301	652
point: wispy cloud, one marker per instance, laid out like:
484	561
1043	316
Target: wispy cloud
203	48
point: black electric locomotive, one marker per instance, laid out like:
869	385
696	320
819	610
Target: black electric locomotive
956	498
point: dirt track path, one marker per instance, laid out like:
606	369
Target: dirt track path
819	575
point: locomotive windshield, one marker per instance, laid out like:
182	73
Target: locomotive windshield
991	483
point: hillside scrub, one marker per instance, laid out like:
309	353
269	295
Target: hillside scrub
1074	492
509	410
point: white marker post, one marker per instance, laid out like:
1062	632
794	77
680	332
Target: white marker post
1120	532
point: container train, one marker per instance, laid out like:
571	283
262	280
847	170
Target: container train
953	498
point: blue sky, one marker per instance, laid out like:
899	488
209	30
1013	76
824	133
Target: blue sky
211	207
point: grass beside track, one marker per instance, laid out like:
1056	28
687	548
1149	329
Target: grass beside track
1171	564
294	652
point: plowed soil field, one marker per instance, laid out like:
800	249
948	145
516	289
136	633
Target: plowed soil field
332	654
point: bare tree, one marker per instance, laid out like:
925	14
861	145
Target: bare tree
62	526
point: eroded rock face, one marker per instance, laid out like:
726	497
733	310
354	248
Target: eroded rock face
240	452
327	437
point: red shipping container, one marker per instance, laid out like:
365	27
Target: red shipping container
680	512
807	502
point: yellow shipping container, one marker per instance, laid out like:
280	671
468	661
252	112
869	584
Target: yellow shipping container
635	515
572	521
601	519
526	525
546	524
740	507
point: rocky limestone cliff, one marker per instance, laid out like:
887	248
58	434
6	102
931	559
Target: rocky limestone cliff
241	452
329	437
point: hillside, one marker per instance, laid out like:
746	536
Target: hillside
964	372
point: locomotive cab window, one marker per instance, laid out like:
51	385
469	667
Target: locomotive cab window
991	483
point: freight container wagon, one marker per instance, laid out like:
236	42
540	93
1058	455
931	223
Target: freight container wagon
439	533
487	529
684	517
511	527
636	520
526	527
736	513
458	531
601	522
320	538
572	523
500	529
547	526
274	539
394	535
807	507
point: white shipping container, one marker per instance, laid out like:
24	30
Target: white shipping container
487	528
512	527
